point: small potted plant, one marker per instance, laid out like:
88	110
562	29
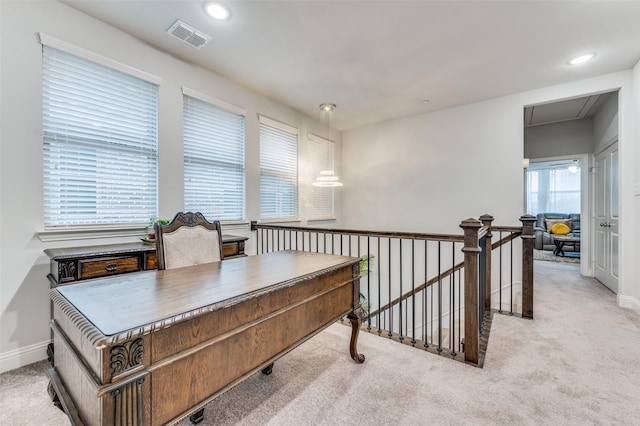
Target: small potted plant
151	232
366	261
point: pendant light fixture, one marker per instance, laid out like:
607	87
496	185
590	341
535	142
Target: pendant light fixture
327	178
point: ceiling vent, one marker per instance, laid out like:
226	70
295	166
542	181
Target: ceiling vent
188	34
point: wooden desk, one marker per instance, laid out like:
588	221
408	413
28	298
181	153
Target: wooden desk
72	264
153	347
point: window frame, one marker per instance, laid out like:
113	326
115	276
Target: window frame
223	108
285	129
142	147
326	195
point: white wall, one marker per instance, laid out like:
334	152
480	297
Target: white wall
559	139
24	304
631	298
427	173
605	124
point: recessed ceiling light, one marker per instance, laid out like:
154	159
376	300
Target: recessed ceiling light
582	59
217	11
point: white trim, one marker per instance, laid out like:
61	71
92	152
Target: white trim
235	226
214	101
278	125
23	356
70	234
629	302
47	40
327	219
276	220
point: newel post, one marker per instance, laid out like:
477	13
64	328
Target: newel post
486	220
471	312
527	264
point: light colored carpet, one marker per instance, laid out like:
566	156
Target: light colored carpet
547	255
575	363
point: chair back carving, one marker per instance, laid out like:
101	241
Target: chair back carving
189	239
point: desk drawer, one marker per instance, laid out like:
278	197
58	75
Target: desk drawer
152	261
230	250
107	266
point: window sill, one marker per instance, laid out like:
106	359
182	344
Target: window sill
328	219
272	221
232	225
69	234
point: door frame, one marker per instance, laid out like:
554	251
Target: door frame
587	204
606	146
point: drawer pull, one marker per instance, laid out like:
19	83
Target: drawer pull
111	267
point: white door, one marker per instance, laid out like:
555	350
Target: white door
606	218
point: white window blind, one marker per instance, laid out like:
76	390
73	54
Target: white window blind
553	187
214	144
100	143
320	155
278	170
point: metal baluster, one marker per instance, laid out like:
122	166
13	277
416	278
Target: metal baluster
424	297
511	285
439	300
379	288
413	291
268	240
390	306
500	275
431	312
459	308
452	292
368	283
400	304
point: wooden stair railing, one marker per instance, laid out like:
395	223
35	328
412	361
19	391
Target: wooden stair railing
444	274
476	246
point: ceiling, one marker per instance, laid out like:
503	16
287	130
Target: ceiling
565	110
381	60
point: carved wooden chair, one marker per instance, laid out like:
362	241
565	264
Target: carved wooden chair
189	239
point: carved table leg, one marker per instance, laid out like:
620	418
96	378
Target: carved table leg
356	321
268	369
197	417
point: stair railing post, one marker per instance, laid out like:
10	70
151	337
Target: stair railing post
527	264
471	252
486	220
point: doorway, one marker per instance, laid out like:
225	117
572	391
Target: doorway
583	128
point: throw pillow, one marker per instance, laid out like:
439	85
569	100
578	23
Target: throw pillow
551	222
560	229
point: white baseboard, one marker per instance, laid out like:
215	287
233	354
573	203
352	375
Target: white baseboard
629	302
23	356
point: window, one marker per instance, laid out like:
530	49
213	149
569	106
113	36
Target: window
100	143
320	154
553	186
213	158
278	170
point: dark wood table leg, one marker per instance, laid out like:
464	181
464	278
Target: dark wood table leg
268	369
197	417
356	322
